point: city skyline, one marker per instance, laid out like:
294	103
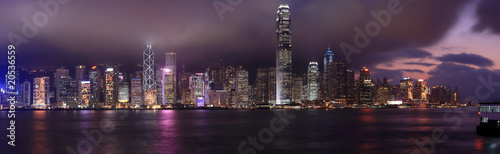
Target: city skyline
248	77
433	61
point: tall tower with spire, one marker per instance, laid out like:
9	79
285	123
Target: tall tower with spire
283	56
149	76
327	73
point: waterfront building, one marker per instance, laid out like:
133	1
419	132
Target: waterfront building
313	81
149	83
284	56
41	90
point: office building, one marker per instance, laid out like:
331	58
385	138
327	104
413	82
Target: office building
41	90
313	81
284	56
149	83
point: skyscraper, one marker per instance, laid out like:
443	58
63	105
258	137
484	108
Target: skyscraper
25	94
68	90
406	87
261	85
80	73
136	89
364	74
366	87
84	94
272	85
57	75
283	56
421	90
184	90
41	90
197	86
441	95
110	87
170	78
327	72
168	86
298	88
95	78
313	81
149	76
124	94
242	87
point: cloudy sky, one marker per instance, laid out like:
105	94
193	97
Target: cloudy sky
446	42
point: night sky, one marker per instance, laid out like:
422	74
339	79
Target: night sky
446	42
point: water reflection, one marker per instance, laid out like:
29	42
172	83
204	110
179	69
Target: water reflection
168	132
40	137
479	143
367	116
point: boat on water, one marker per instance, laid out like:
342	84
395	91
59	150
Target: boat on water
490	119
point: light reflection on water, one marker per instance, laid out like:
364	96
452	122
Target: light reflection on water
206	131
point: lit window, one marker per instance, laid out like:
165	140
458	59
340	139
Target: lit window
484	119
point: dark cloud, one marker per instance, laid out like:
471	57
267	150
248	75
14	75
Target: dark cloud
465	58
413	70
392	75
384	57
487	13
467	79
419	63
101	31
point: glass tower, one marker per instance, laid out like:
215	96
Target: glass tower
283	56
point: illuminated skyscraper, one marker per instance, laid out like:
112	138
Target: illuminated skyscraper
242	87
136	89
327	73
364	74
283	56
57	75
342	83
421	90
124	94
68	90
184	90
95	84
455	97
366	87
197	86
168	86
41	89
85	94
149	76
313	81
159	85
298	89
170	80
110	87
366	92
80	75
406	87
25	94
272	85
261	85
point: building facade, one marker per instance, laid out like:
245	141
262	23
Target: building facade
284	56
313	81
